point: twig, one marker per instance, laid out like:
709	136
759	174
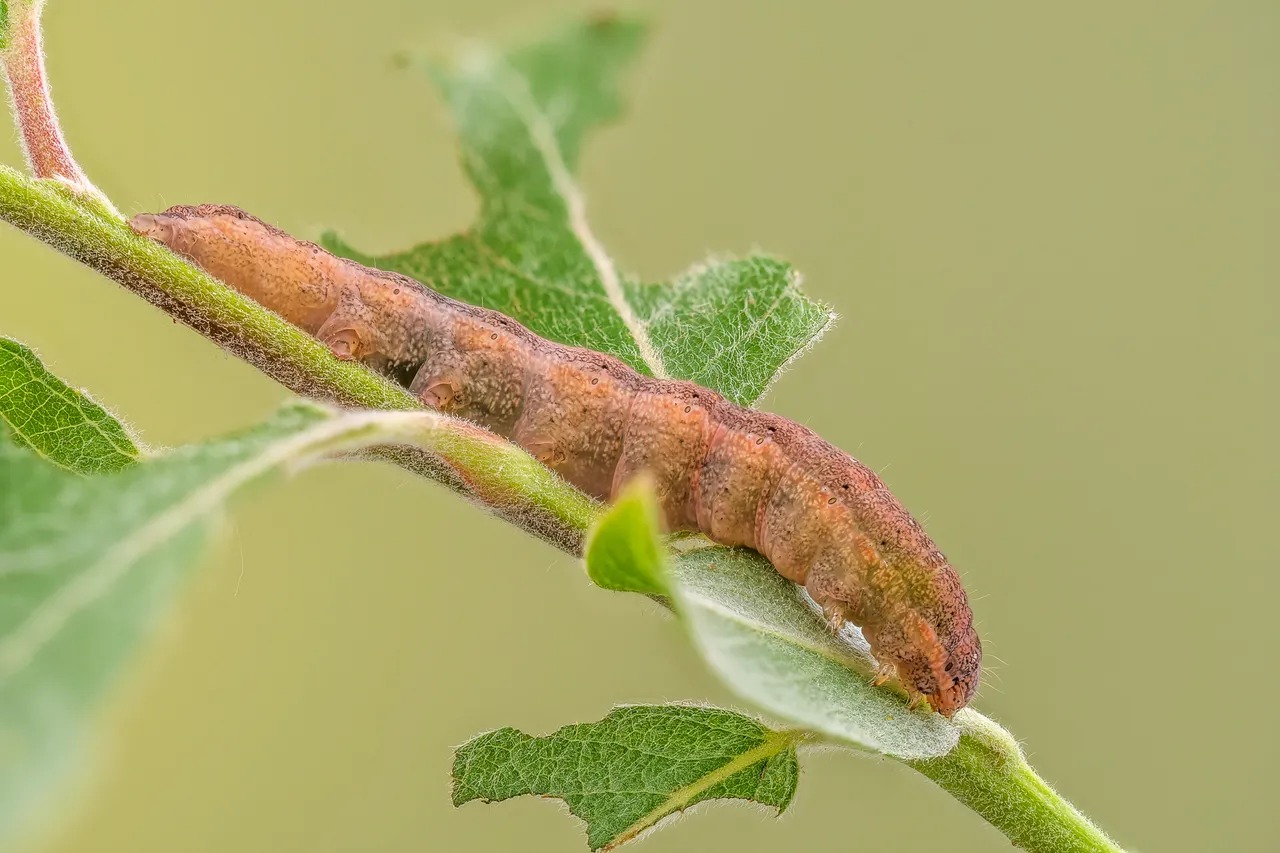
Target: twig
42	141
986	771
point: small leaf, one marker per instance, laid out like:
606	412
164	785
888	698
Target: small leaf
622	552
60	423
4	24
635	767
756	631
521	117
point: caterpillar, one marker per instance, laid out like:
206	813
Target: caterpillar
739	476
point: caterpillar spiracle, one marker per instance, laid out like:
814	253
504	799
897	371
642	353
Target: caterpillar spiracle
740	476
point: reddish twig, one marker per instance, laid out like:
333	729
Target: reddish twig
42	141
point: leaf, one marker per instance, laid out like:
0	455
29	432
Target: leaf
635	767
521	116
757	632
4	24
622	552
61	424
87	564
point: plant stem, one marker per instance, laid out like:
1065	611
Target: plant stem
986	771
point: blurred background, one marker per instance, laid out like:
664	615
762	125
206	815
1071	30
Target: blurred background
1052	233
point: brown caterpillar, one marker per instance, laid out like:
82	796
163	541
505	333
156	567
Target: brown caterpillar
740	476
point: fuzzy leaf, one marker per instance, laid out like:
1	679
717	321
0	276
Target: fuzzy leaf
622	552
521	116
60	423
633	768
758	633
87	564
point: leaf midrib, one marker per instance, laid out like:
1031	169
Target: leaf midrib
515	88
773	744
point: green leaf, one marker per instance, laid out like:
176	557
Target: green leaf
622	552
60	423
87	564
633	768
521	116
757	632
4	24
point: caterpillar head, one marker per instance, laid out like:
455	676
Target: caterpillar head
160	227
945	673
956	681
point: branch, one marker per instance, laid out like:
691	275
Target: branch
62	208
986	771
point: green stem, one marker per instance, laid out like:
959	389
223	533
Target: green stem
986	771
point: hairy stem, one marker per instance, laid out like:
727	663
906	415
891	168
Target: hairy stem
42	141
986	771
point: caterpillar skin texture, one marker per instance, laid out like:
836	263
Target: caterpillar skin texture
740	476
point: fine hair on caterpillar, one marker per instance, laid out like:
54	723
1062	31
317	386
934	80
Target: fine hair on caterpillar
739	476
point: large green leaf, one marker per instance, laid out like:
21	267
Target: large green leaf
88	563
635	767
55	420
521	116
758	632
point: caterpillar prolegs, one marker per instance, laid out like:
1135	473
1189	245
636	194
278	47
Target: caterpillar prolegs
740	476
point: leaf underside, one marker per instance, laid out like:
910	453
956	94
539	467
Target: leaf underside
634	767
730	325
759	633
87	565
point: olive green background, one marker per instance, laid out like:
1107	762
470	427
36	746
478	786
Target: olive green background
1053	234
